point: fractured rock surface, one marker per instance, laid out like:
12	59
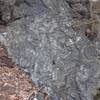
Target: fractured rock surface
41	40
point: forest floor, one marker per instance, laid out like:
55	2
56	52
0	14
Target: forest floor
14	83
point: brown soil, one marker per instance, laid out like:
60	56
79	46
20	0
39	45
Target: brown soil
14	84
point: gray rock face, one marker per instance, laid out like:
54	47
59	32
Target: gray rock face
42	41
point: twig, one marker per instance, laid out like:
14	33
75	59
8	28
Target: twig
84	23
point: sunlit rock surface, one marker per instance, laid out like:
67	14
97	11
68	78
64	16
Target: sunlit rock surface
42	42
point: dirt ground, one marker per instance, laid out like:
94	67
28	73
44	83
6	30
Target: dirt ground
14	83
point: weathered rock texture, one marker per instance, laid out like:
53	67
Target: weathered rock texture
42	38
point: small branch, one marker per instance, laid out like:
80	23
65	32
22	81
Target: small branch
84	23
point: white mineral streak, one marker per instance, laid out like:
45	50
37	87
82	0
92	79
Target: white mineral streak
35	99
94	0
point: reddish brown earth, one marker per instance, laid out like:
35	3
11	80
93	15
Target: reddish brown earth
14	83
